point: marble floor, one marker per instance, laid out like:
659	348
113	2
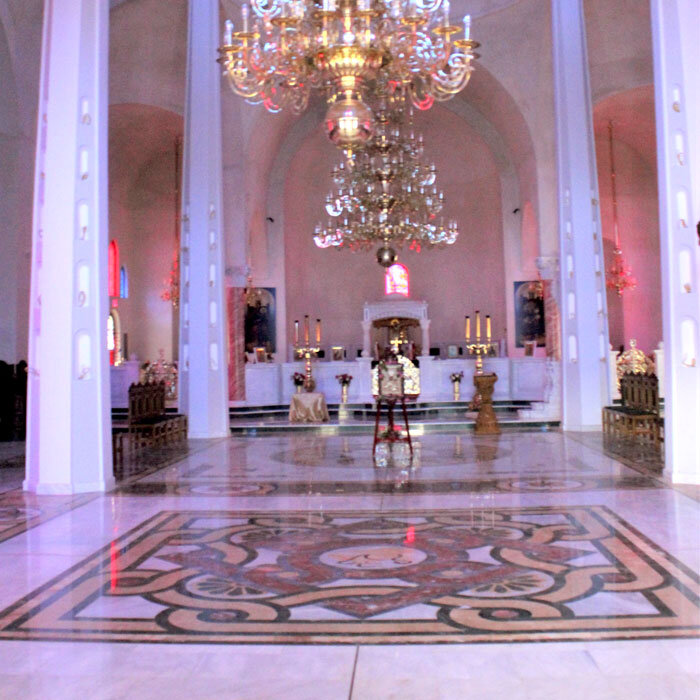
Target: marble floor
528	565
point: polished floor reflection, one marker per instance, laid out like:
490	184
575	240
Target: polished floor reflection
292	566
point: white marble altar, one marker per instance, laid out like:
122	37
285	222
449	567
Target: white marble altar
519	379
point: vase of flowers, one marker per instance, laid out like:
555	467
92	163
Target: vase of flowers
456	379
298	378
344	380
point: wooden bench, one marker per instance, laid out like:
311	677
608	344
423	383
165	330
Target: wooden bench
149	424
637	417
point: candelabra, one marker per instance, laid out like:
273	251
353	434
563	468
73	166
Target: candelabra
477	347
344	47
307	350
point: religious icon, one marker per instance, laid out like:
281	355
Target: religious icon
260	313
529	313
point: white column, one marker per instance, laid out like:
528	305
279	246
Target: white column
425	336
583	304
676	37
68	422
203	371
366	339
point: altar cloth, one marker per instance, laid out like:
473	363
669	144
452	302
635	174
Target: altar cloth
308	408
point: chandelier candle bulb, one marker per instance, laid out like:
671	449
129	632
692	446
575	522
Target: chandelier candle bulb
478	326
244	16
296	332
467	26
467	329
318	331
228	33
306	329
488	328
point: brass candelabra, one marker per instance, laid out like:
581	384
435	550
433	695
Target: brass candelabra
476	346
307	350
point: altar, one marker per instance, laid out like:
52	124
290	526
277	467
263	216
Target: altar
519	379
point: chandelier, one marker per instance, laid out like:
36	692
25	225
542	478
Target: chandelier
290	47
619	275
386	194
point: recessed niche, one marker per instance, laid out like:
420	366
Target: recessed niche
83	285
689	342
83	220
84	159
83	356
685	270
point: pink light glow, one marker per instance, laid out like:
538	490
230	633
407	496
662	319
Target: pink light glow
396	280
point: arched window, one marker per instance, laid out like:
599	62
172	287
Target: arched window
123	283
114	342
396	280
113	269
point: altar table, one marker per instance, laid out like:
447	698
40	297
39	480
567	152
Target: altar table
308	407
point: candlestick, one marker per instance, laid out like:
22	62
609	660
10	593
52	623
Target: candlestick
467	329
318	331
296	332
306	329
478	326
488	328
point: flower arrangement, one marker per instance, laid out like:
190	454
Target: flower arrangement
456	376
344	379
298	378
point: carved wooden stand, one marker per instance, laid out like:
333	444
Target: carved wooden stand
486	422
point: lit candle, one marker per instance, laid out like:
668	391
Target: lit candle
318	331
467	329
228	33
244	15
446	12
488	328
296	332
306	329
467	26
478	327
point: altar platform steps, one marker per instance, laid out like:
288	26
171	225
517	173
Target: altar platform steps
360	417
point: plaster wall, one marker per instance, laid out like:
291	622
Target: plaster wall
637	313
20	34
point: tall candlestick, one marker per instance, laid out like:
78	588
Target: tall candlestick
296	332
488	328
478	326
467	329
306	330
318	331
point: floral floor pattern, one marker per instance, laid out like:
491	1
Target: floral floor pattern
542	573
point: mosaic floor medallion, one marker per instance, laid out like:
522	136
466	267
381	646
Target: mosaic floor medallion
502	575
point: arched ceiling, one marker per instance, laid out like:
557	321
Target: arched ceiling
138	136
619	45
633	118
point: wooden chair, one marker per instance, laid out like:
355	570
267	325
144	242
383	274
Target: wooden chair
637	417
149	424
